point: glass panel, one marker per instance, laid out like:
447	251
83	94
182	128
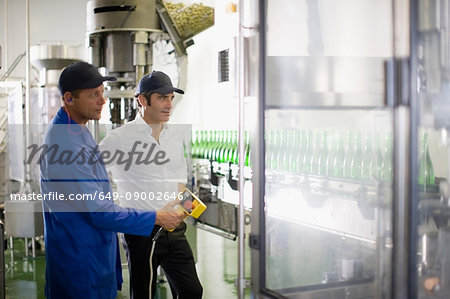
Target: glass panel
433	260
329	148
328	198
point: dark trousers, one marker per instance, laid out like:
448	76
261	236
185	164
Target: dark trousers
173	253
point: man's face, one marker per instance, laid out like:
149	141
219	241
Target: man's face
160	108
88	105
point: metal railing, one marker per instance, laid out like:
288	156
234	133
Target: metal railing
13	66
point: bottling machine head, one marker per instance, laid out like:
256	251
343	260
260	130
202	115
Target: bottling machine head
120	38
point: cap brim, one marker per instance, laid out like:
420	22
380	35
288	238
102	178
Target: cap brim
167	89
97	82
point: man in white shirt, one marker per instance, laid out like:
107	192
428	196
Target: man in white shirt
146	158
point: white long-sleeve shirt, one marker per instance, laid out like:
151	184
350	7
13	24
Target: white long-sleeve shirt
147	173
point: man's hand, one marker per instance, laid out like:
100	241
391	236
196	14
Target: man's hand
169	219
170	207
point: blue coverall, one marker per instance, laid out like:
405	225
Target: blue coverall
82	255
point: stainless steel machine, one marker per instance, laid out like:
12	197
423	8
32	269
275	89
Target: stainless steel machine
351	159
23	218
121	36
49	60
119	40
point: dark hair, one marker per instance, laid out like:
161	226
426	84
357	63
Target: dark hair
146	95
76	93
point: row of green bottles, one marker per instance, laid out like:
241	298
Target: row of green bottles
340	154
219	146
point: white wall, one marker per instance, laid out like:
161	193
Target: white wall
206	104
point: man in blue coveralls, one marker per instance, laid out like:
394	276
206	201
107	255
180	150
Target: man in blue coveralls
80	216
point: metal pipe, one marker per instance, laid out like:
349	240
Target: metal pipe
229	236
241	211
27	95
258	204
5	65
27	66
414	122
13	66
401	202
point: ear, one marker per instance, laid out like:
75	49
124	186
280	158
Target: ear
142	100
68	98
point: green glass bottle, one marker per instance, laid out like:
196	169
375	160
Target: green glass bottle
286	144
200	143
426	171
387	173
356	164
332	149
229	150
314	161
273	150
223	147
207	142
234	155
338	163
195	143
210	146
203	144
378	157
368	160
218	145
279	149
296	151
306	160
349	152
322	162
248	150
266	148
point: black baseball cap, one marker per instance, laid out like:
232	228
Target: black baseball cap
158	82
80	75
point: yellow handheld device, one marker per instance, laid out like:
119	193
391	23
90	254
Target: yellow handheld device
190	204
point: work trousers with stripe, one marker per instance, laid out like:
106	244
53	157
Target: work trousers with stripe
172	252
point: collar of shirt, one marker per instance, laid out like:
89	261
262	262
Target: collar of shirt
144	127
